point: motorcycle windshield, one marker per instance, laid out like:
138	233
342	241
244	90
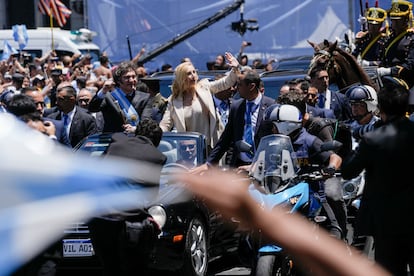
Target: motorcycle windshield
273	157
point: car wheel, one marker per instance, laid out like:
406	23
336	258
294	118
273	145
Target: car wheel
195	255
265	265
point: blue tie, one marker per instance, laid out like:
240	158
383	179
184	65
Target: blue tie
248	130
321	101
223	112
66	123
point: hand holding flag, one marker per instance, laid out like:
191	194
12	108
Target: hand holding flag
20	35
8	50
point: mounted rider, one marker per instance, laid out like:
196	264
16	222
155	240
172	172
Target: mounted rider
367	43
397	52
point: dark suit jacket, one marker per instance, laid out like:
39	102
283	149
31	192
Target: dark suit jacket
234	130
112	113
316	111
61	135
99	119
386	205
136	148
83	124
340	106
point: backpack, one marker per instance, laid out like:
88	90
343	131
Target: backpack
338	131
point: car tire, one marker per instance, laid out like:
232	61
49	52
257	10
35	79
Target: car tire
265	265
195	252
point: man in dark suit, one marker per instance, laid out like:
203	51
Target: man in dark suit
333	100
122	106
120	252
386	210
83	99
77	122
235	130
37	97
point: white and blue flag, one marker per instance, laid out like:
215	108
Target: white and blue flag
20	35
8	50
45	187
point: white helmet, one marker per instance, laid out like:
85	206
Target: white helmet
287	118
363	93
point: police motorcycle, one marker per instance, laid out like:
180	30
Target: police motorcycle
276	181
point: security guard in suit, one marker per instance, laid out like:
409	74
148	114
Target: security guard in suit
367	43
397	53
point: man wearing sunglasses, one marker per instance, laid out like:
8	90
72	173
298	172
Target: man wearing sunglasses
83	99
38	98
187	153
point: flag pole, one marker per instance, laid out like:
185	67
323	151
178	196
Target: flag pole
51	27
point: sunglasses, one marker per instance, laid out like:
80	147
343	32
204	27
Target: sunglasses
190	147
83	101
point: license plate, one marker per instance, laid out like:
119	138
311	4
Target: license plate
77	248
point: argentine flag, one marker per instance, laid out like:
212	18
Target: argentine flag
46	186
20	35
8	50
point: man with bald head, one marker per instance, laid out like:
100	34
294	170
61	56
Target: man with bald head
83	99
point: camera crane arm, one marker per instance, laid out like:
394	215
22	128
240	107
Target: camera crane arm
192	31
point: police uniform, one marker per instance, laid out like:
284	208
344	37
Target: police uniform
367	44
397	51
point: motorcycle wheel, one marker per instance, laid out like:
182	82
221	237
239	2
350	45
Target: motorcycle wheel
196	255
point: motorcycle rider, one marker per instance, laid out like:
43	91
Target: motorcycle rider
364	107
326	129
287	119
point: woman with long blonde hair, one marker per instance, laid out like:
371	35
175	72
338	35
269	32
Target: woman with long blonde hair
191	106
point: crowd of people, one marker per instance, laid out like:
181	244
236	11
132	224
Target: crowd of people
71	98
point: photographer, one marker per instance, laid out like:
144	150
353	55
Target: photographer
243	59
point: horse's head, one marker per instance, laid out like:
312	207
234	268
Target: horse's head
342	67
323	55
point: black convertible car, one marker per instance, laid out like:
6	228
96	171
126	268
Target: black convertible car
191	236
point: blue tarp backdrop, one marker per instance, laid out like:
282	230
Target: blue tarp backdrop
284	27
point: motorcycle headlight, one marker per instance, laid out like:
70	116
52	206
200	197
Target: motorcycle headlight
294	199
290	203
158	214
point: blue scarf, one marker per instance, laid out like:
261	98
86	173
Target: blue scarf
131	115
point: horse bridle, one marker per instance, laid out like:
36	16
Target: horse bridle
331	63
317	56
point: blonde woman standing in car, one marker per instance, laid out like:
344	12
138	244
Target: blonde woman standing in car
191	106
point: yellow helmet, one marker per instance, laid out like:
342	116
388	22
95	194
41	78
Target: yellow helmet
376	15
400	8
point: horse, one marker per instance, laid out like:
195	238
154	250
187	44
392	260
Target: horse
343	68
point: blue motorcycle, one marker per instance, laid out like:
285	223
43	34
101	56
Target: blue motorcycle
276	181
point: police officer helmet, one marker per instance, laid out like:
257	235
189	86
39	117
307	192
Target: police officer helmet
287	118
363	93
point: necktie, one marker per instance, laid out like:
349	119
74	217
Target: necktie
223	112
321	101
66	123
248	130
